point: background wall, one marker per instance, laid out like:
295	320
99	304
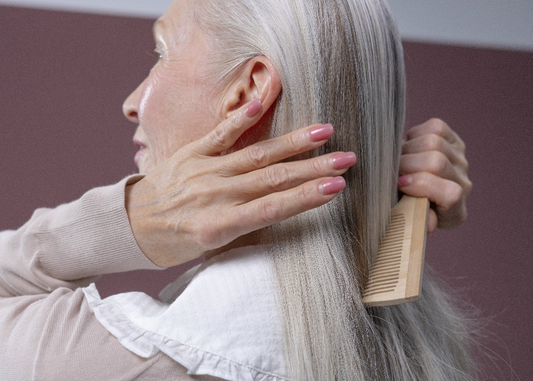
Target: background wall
64	76
495	23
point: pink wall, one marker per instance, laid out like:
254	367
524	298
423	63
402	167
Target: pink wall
64	76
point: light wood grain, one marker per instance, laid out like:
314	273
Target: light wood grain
396	273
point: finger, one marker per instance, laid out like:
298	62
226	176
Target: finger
434	162
267	152
432	142
438	127
432	221
283	205
447	196
284	176
227	132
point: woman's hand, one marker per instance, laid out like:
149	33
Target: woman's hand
433	165
200	200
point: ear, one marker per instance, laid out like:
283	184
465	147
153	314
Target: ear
258	79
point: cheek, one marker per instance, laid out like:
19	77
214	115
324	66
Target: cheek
151	104
174	112
154	120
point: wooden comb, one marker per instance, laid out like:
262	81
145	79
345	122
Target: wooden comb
396	274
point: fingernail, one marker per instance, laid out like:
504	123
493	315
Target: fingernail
343	160
321	132
404	181
253	108
332	186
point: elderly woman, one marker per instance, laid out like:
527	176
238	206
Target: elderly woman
218	160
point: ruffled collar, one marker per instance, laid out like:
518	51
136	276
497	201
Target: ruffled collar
220	318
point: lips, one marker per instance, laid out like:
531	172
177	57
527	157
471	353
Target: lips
140	153
139	144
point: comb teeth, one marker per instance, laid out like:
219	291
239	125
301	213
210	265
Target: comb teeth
396	273
385	273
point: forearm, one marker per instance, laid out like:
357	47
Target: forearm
71	245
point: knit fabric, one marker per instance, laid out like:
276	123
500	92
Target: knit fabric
47	330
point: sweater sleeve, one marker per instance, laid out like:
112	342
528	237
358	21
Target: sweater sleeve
56	337
71	245
47	330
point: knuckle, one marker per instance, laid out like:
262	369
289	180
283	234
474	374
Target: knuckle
235	121
220	137
256	156
294	142
432	142
277	177
454	195
271	211
421	180
307	196
437	126
438	162
317	167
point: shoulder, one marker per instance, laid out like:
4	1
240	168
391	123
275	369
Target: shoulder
56	337
225	323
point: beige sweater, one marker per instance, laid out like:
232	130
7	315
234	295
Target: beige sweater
47	331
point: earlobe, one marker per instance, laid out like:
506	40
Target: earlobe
258	79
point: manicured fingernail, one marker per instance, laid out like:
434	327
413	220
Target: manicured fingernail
343	160
332	186
253	108
404	181
321	132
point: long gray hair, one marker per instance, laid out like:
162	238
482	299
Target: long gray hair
341	61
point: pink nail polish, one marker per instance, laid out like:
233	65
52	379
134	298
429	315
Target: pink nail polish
332	186
404	181
343	160
321	132
253	108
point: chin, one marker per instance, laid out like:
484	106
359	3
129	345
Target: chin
144	167
140	169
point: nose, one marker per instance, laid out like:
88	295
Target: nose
130	107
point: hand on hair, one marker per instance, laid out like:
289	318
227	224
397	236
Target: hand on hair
200	200
433	165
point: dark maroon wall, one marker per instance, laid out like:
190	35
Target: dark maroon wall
487	96
64	76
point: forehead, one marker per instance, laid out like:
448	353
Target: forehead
179	10
177	24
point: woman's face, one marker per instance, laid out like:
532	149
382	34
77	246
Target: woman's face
174	105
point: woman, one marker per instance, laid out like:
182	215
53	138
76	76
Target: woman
195	200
